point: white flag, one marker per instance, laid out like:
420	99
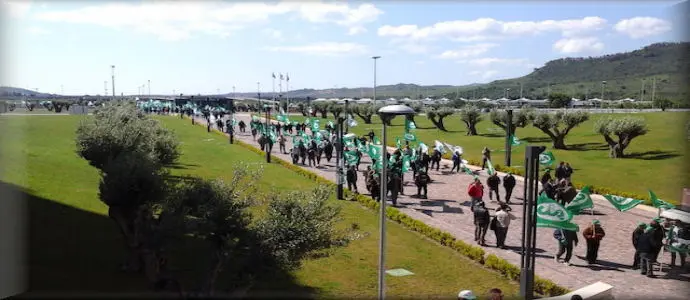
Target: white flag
351	121
439	146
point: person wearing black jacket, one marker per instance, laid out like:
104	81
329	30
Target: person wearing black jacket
351	176
481	222
493	182
646	246
560	171
509	184
658	236
635	238
565	245
546	177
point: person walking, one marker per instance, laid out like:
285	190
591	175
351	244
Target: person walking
421	180
646	246
503	218
565	192
509	184
659	235
673	240
493	182
568	171
560	171
281	143
567	239
481	223
486	155
546	177
456	161
351	176
593	235
641	226
476	192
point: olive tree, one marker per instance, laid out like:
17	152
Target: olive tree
520	119
302	109
336	110
471	116
559	100
364	111
436	115
620	132
321	108
558	125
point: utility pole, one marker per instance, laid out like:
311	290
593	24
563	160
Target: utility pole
149	82
112	68
520	90
105	88
603	85
653	89
642	90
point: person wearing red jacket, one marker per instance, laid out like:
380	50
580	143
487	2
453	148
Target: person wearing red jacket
476	192
593	235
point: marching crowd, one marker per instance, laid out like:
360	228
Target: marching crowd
648	239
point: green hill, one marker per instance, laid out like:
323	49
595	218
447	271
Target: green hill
624	74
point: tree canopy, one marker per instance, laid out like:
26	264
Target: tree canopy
558	125
471	115
436	116
619	132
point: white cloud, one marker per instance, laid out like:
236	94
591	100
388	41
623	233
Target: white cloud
273	33
467	51
16	8
324	49
35	30
578	45
179	20
493	60
487	28
641	27
356	30
484	74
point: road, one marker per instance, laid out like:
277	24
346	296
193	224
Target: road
447	208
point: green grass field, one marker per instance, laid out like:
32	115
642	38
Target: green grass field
657	160
75	247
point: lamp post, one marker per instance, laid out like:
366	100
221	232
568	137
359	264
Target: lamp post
386	114
603	86
375	58
338	161
112	69
529	221
509	135
268	117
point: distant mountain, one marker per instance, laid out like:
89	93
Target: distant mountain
8	91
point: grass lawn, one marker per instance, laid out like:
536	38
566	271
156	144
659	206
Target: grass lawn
75	247
657	160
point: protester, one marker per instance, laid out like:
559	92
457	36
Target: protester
509	184
495	294
593	235
635	238
351	176
281	143
503	218
548	189
560	171
566	240
546	177
436	160
456	161
646	246
476	192
481	222
565	192
421	180
486	156
568	171
659	235
466	295
674	235
493	182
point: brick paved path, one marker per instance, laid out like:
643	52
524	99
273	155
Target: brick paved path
447	208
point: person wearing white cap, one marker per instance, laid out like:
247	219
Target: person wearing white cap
466	295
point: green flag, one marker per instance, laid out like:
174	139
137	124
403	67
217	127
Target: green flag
582	200
550	214
467	170
406	164
398	143
375	152
679	248
315	125
622	203
307	121
409	125
376	140
330	124
410	137
546	158
658	203
514	141
350	157
490	167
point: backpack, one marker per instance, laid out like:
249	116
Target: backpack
474	191
492	224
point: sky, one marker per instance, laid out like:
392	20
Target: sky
206	47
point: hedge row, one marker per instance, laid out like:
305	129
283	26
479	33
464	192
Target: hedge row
542	286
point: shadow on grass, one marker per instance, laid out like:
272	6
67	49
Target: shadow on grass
537	140
179	166
588	147
492	135
652	155
76	251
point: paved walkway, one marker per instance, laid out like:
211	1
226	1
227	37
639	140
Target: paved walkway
448	209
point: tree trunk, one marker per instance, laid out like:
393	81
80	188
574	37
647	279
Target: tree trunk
366	118
124	218
304	113
324	114
559	142
213	275
438	123
471	128
335	115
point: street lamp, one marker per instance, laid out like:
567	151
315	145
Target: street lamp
603	85
386	113
375	58
507	92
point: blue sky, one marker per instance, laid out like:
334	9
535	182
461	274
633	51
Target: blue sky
205	47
